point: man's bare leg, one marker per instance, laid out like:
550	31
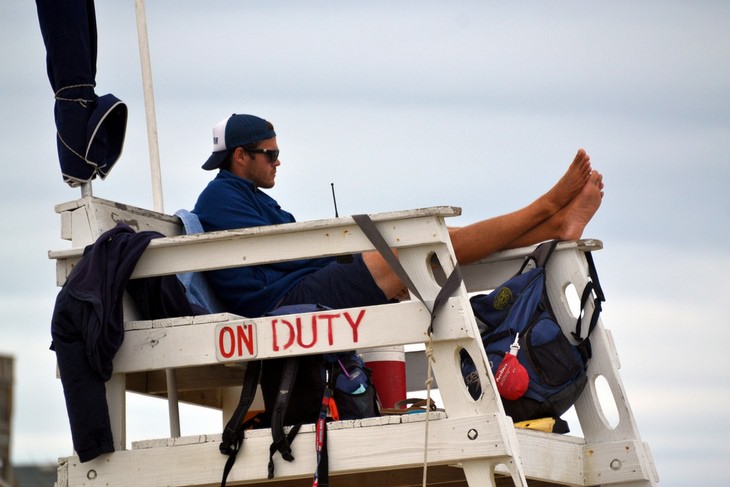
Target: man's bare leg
478	240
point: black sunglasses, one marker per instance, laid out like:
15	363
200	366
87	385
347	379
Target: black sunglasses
272	154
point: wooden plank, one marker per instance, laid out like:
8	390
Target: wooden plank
167	344
195	385
500	266
83	220
233	248
188	379
549	459
616	462
105	214
379	449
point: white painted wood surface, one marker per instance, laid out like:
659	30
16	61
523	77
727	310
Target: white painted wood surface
475	435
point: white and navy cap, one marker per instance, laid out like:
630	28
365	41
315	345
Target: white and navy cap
236	131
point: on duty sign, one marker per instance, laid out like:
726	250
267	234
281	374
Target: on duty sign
242	340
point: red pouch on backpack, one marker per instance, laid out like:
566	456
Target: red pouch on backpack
511	376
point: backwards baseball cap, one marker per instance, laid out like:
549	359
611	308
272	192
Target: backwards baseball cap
236	131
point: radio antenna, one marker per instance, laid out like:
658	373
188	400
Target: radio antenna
347	258
334	199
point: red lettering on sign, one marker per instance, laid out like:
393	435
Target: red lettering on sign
240	342
245	339
314	333
329	318
289	328
354	324
222	342
284	333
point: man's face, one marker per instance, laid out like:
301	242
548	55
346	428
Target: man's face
257	167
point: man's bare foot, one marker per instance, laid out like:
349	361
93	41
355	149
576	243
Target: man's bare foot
575	217
571	183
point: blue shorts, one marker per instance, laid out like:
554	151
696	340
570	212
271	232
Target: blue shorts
337	285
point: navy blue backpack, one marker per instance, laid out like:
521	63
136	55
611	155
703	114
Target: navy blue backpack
555	364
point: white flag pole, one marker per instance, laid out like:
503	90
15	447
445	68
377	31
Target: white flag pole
144	54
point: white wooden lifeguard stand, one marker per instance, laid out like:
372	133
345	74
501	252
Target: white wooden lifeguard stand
471	443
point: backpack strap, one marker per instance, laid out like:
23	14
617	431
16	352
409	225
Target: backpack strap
592	287
273	448
233	434
542	253
282	442
376	238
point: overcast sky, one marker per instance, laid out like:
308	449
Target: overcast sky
476	104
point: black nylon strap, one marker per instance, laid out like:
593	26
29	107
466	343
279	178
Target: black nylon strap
288	376
376	238
233	433
544	251
594	277
540	256
593	286
273	448
232	458
450	286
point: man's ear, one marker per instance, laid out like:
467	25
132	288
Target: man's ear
239	162
239	155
